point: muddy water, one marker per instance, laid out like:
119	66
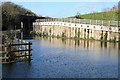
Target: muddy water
56	58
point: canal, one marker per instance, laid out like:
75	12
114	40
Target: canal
57	58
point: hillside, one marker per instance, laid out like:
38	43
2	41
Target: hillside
106	14
110	15
11	15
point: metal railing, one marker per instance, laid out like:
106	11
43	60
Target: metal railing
82	21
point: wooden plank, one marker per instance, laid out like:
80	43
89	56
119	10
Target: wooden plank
23	41
11	62
21	50
4	57
2	45
20	44
23	55
3	52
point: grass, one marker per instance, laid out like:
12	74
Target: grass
110	15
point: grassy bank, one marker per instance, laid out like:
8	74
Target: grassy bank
110	15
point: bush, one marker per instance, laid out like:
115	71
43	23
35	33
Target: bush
63	35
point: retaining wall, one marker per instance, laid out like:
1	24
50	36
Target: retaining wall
85	31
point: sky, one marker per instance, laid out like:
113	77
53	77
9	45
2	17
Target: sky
64	9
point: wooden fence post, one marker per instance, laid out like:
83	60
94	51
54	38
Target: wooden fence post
9	54
29	52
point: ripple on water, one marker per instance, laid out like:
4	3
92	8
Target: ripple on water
52	61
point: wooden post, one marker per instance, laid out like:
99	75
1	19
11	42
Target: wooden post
5	51
9	57
29	52
25	47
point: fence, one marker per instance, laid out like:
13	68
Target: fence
22	50
82	21
15	50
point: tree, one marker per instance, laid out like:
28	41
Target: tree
11	15
77	15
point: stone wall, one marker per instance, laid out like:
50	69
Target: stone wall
73	30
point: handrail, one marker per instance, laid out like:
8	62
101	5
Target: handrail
82	21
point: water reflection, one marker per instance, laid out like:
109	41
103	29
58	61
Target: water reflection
98	53
98	48
68	58
87	44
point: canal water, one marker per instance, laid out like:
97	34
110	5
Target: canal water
57	58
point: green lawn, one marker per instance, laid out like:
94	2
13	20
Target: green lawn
111	15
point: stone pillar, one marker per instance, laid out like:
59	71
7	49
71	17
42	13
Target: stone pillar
67	33
105	35
79	33
90	33
85	33
70	31
82	33
118	36
42	29
58	30
95	36
52	30
74	32
61	30
109	35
